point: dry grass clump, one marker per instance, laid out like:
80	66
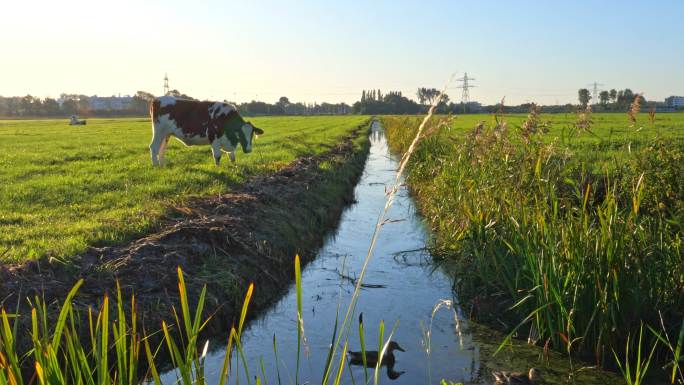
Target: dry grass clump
584	120
652	114
533	125
634	109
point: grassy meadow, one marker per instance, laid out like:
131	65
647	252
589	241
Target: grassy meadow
566	229
63	188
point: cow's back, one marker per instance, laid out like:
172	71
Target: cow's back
190	119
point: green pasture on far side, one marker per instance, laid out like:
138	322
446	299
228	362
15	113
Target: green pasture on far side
63	188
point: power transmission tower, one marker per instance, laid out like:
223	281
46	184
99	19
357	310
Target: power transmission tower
166	84
466	86
595	94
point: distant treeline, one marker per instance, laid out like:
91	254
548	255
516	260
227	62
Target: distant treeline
372	102
74	104
284	107
92	106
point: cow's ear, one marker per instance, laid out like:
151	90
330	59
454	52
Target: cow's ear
258	131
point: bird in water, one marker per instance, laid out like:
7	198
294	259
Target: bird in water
517	378
356	358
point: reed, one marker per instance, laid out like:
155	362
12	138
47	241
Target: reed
551	238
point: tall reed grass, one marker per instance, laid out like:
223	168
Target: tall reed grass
575	255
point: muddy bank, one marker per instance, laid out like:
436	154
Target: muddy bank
248	235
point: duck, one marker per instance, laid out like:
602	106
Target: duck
356	358
517	378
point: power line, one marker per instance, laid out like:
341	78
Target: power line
166	84
596	91
466	86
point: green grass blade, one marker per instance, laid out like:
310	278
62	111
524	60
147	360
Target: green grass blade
362	341
340	369
225	368
66	308
151	364
275	356
300	322
245	306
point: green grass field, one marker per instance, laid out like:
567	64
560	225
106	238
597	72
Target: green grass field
612	134
576	239
614	127
63	188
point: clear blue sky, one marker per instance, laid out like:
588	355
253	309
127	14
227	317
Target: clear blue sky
310	51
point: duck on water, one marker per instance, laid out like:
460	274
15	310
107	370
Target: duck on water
388	360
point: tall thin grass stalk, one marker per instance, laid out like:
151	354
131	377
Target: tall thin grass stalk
300	321
675	348
427	333
362	342
275	356
634	109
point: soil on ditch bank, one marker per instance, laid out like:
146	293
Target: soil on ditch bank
224	242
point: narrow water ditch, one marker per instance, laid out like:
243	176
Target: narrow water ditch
401	286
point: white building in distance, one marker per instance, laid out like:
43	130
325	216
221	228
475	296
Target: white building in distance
114	103
675	101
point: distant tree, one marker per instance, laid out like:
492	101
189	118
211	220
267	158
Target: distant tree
141	101
613	95
442	106
428	95
69	107
83	103
283	101
584	96
421	95
178	94
628	95
363	96
146	96
604	96
29	106
281	106
624	99
51	107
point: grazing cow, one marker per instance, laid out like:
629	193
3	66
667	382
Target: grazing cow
194	122
75	122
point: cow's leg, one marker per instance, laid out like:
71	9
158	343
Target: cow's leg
232	156
216	152
162	150
156	144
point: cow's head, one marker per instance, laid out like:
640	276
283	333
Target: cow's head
246	136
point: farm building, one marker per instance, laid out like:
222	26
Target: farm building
98	103
675	101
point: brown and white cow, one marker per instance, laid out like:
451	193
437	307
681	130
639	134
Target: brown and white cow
194	122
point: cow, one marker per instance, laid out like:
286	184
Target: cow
75	122
199	122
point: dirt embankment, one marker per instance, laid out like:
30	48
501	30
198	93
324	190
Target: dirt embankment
248	235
